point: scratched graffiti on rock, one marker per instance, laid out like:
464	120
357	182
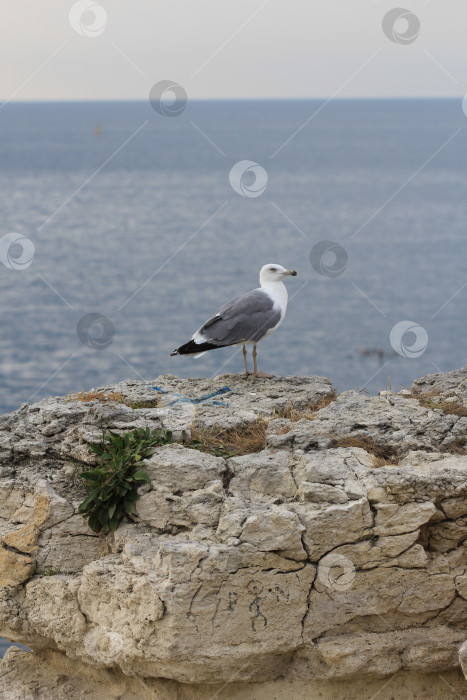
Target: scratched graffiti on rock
258	619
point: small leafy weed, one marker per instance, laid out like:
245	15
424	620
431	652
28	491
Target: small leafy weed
112	485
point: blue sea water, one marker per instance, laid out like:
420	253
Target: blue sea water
4	644
140	224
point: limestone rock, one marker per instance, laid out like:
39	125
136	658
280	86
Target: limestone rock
186	488
23	539
380	591
315	558
361	653
431	480
53	610
50	674
326	528
463	657
443	385
392	519
394	422
274	529
262	477
15	568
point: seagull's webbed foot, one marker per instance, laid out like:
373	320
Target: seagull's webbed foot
255	373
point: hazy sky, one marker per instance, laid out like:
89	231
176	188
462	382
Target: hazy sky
235	49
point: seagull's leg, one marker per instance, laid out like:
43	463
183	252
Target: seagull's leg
255	372
244	360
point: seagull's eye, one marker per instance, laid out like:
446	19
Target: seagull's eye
273	269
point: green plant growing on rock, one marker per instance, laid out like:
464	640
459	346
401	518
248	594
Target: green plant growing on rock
112	486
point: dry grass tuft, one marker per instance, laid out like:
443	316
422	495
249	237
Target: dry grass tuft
224	442
113	397
284	430
294	414
383	454
86	396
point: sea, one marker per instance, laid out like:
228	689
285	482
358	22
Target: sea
124	227
134	225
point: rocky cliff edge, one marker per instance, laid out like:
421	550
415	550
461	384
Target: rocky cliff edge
336	549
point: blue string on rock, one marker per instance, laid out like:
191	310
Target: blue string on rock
186	399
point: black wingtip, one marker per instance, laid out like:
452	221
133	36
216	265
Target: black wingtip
192	348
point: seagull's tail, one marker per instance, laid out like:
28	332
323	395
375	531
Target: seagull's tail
193	348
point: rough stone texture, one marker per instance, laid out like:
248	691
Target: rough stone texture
312	560
400	424
49	675
448	386
463	657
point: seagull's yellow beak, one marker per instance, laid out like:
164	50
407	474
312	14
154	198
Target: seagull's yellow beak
290	272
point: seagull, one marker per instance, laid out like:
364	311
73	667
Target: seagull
245	320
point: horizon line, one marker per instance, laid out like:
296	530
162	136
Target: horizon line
360	98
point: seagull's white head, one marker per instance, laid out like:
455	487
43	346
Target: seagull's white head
273	273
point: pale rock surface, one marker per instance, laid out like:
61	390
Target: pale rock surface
463	657
444	386
311	562
49	675
398	423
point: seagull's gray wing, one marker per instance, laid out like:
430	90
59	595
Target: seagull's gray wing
245	318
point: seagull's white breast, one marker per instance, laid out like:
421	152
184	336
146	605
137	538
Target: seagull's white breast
277	291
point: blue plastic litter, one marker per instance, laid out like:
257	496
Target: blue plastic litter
202	399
